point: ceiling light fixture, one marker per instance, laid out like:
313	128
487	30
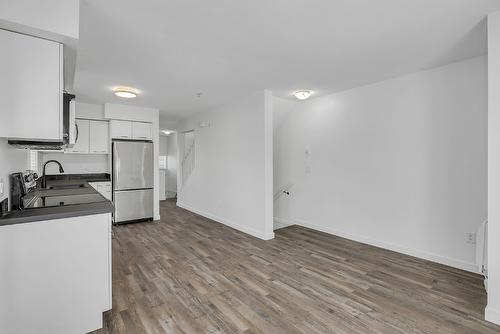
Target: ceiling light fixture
303	94
125	92
167	132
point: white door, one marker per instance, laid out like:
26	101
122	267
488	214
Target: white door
82	137
99	137
163	192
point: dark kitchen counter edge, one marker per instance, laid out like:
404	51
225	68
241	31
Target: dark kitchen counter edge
61	212
95	177
57	212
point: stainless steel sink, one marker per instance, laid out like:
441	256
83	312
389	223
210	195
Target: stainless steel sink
66	186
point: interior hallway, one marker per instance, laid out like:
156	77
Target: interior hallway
188	274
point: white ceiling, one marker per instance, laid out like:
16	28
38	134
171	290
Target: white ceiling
173	49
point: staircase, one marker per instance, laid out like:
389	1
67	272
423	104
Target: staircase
188	163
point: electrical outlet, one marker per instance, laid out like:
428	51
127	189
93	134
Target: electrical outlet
470	238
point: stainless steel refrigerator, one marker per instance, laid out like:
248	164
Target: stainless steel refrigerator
133	180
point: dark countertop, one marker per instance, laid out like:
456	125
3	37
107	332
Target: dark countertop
72	196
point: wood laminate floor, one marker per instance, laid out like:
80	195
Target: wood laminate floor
188	274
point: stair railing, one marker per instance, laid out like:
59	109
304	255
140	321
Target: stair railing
285	190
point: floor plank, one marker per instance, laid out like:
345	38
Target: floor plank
188	274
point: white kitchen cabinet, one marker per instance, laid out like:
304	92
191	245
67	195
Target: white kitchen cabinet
93	137
82	137
131	130
60	280
141	130
121	129
99	137
103	188
31	87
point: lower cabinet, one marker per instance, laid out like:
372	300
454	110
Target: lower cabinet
56	275
103	188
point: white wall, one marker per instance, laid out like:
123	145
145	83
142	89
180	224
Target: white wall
228	183
76	163
11	160
400	164
59	17
162	151
171	173
89	110
493	308
79	163
281	111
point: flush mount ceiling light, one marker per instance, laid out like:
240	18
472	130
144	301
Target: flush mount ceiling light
125	92
303	94
167	132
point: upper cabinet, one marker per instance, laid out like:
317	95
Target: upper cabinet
99	137
31	87
142	130
82	137
131	130
92	137
121	129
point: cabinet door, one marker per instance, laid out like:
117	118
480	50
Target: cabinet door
104	188
121	129
99	137
142	130
30	87
82	137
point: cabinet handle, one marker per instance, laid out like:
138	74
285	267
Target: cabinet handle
77	132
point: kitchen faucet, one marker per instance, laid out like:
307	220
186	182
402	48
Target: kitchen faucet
44	180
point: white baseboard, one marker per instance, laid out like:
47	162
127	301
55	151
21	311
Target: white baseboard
244	229
170	194
492	315
471	267
281	223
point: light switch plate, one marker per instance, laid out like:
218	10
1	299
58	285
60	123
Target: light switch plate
470	238
1	186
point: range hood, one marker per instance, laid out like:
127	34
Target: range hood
69	136
37	145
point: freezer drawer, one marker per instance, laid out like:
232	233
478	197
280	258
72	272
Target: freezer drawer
133	205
